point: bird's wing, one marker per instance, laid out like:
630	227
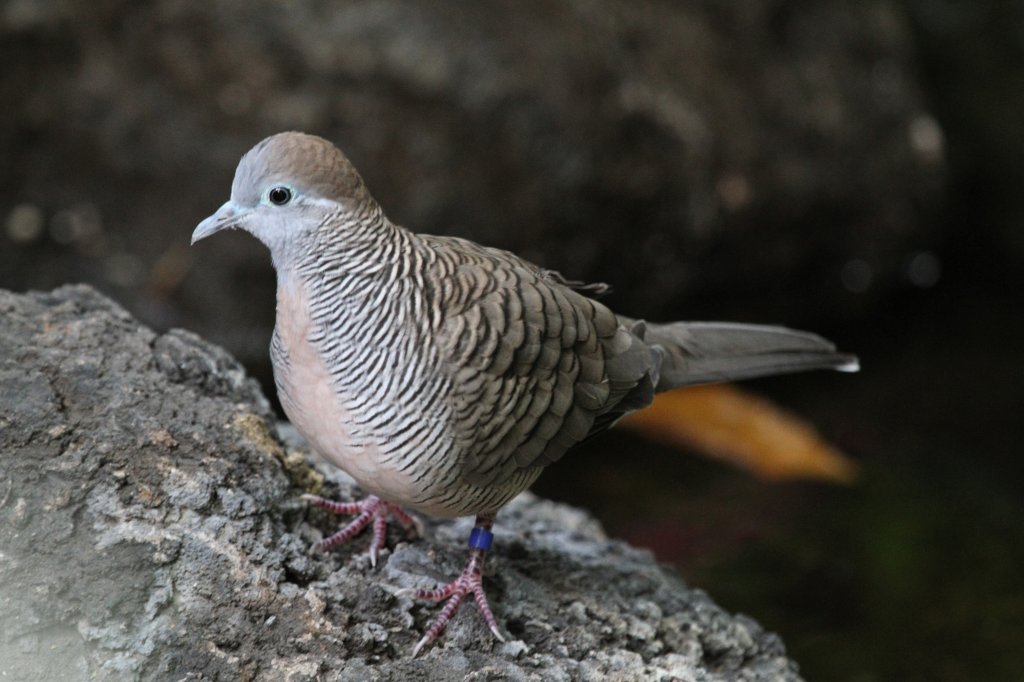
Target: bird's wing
535	367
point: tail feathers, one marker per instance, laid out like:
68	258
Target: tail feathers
710	352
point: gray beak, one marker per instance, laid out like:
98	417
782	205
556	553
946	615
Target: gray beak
227	216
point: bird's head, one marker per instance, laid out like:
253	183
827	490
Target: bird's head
285	188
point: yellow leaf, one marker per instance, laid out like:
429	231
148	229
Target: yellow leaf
745	430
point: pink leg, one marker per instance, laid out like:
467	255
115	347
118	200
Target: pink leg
372	509
471	581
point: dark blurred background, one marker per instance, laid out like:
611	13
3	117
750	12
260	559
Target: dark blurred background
854	168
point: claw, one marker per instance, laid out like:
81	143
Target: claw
419	645
470	582
372	509
376	511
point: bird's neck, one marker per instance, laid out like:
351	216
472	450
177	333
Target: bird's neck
347	255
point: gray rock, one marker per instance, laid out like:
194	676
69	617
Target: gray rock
150	528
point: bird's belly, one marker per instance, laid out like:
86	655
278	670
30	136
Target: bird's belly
312	403
314	407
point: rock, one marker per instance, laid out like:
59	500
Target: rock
151	529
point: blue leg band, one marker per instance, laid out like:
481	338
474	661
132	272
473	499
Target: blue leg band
481	538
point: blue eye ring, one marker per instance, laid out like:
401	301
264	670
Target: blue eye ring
279	196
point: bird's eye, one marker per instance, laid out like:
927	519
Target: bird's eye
279	196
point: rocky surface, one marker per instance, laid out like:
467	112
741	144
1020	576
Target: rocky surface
150	528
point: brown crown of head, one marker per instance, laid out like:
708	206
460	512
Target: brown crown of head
307	163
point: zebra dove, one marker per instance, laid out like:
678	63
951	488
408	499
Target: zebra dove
442	375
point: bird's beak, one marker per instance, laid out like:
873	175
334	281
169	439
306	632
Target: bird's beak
226	216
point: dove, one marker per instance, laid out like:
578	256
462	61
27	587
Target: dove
443	375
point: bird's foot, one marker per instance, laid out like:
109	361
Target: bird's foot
471	581
370	510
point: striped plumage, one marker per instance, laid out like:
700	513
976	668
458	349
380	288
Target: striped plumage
446	364
444	375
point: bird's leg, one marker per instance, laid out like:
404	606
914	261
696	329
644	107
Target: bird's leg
372	509
471	580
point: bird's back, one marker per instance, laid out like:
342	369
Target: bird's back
536	366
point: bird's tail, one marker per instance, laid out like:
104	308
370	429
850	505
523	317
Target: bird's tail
709	352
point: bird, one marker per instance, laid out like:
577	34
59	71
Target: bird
443	375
